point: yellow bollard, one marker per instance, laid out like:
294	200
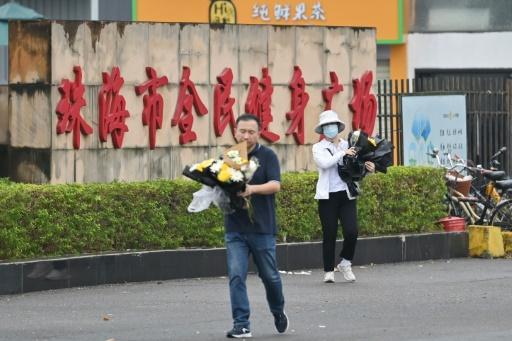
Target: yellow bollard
507	242
485	241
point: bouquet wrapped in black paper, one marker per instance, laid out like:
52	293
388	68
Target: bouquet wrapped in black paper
223	179
374	149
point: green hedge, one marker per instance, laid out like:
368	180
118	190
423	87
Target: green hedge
49	220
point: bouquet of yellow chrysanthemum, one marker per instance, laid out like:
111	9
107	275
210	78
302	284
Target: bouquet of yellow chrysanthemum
223	178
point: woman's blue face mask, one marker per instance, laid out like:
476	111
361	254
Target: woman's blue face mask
330	130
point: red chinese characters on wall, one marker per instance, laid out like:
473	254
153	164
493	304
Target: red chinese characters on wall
153	112
112	108
333	89
113	112
363	104
258	103
223	103
187	96
328	93
68	108
300	99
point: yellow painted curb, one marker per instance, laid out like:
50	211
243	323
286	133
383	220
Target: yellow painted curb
485	241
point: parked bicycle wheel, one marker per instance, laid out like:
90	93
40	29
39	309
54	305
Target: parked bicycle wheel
453	207
460	206
502	215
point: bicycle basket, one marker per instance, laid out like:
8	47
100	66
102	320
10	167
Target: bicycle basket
461	184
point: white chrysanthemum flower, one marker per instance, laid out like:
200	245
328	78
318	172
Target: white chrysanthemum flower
216	165
236	175
233	154
237	160
253	164
249	168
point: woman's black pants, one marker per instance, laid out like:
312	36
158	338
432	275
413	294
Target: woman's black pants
333	210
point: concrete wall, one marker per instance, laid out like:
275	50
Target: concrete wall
4	115
4	129
42	54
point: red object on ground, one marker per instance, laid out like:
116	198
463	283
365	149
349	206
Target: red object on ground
453	224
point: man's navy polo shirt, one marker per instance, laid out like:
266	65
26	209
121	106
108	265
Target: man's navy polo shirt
263	206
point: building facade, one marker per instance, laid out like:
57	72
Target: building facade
388	17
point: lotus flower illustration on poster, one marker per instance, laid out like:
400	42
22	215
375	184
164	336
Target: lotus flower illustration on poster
433	121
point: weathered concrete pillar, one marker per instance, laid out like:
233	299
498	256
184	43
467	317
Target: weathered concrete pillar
485	241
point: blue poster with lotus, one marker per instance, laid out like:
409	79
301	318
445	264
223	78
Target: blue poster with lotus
433	121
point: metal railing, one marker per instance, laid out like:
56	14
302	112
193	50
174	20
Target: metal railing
488	110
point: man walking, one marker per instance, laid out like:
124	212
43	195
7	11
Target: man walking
254	234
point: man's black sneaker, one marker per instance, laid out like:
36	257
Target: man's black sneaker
239	333
281	322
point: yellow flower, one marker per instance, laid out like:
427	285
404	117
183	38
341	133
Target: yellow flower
224	173
205	164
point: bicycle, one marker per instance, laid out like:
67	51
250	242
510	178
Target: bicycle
481	207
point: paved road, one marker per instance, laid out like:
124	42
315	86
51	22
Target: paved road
464	299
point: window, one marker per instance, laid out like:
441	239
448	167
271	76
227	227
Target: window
460	15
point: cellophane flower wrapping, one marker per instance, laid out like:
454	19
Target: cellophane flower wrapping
375	149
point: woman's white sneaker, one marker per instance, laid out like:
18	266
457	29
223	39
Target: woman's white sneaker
346	270
329	277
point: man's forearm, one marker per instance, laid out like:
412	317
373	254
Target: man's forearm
270	187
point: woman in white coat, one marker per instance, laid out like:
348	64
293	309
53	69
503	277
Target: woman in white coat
335	204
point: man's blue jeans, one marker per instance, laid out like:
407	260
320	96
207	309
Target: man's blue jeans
263	250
